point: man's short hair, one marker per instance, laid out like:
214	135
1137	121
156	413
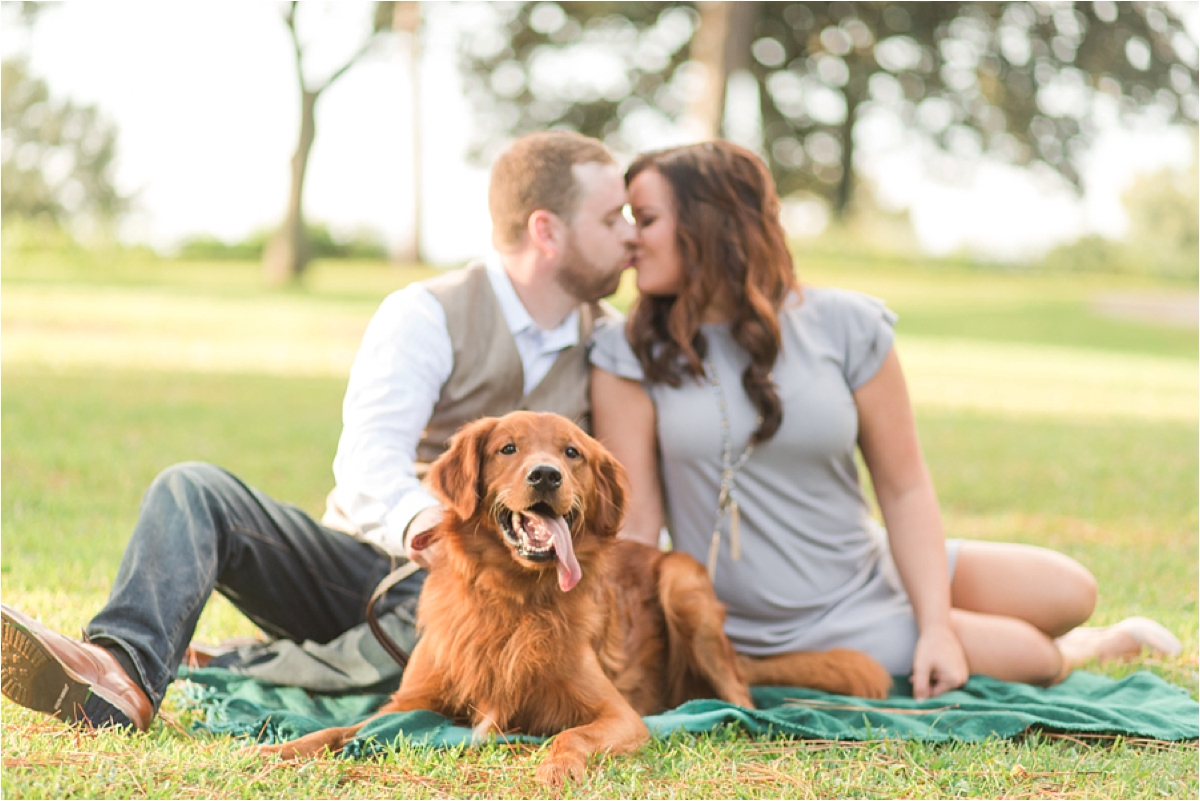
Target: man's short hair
535	172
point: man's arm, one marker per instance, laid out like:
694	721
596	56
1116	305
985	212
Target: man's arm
405	359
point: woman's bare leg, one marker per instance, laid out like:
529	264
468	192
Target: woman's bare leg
1018	608
1007	648
1046	589
1119	641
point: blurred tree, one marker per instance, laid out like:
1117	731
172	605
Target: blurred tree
323	244
1022	82
288	251
1163	239
25	13
1164	220
56	157
406	19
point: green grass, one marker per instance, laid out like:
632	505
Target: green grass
1064	322
164	764
1100	475
81	447
941	299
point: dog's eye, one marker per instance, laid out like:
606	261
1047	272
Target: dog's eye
509	449
571	452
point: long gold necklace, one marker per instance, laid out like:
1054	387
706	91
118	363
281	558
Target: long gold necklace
726	497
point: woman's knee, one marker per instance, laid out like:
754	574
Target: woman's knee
1080	592
1039	585
1073	593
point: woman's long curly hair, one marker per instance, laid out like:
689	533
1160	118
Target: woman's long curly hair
734	254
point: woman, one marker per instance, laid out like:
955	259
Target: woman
756	392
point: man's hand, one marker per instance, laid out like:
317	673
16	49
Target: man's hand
418	546
939	664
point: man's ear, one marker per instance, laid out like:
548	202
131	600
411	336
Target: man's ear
611	490
455	475
546	232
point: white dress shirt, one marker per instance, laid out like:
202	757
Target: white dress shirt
405	359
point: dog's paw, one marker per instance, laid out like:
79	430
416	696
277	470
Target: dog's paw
741	697
556	769
864	676
277	751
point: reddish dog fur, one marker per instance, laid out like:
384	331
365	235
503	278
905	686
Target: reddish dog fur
516	638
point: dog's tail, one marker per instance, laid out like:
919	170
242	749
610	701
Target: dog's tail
317	743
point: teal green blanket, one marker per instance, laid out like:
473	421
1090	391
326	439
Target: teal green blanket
1139	705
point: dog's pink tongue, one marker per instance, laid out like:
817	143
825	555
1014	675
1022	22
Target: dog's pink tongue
568	566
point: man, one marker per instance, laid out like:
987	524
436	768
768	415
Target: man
485	340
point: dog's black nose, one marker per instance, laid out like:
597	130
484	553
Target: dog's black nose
544	476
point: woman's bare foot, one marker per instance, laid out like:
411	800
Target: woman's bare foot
1123	640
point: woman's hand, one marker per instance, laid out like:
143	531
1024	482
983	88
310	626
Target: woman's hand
939	663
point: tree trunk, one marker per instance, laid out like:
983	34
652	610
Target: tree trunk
845	190
708	49
722	44
407	19
288	251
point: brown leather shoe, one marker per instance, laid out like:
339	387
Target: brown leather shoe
73	681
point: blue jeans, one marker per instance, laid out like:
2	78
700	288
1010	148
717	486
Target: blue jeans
304	584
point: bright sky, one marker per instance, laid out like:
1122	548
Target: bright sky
207	106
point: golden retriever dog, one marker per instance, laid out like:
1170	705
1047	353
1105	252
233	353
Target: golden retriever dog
536	618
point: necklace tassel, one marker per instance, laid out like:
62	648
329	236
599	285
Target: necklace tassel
735	541
714	548
729	469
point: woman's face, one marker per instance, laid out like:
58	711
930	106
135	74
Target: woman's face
656	249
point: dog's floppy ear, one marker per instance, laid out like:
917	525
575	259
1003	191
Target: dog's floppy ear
456	475
611	489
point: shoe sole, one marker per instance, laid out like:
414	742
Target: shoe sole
32	677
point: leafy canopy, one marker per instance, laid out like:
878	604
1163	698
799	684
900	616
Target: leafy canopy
57	156
1025	83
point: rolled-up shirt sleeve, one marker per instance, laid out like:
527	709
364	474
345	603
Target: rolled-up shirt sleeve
405	359
869	329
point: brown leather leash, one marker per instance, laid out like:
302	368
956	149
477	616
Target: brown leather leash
390	580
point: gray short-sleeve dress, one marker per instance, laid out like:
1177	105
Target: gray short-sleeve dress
815	571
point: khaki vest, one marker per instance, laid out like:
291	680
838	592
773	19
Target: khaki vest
487	379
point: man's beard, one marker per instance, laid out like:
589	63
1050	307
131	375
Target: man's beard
582	278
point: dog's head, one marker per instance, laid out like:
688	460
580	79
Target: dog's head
538	481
